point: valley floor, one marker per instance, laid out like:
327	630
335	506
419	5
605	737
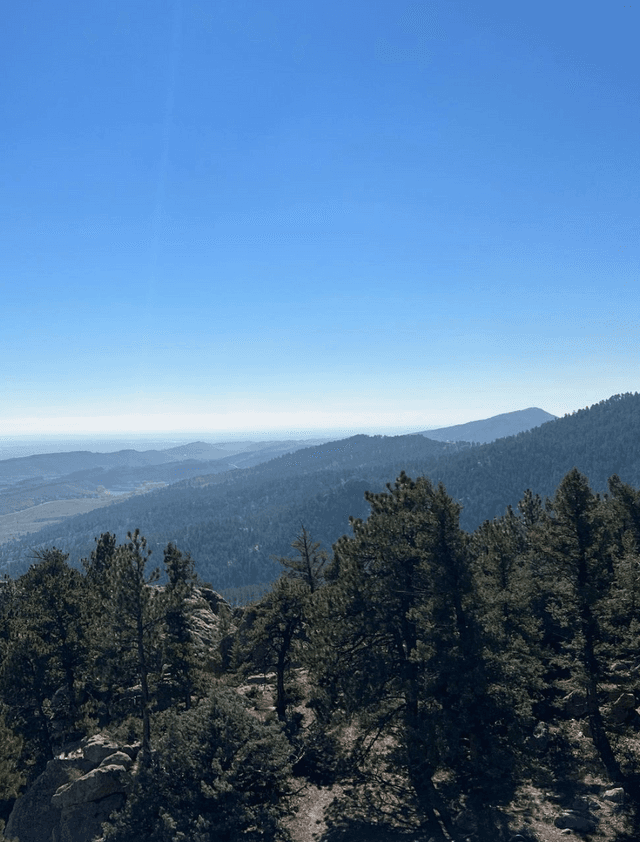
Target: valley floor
17	524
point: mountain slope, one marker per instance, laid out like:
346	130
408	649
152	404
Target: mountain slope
233	522
26	482
496	427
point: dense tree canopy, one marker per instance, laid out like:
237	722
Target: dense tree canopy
441	669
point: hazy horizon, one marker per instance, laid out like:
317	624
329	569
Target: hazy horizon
29	445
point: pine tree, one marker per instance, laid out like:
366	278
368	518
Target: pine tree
12	777
216	773
277	630
396	644
135	612
113	661
44	653
179	655
308	564
277	625
506	588
571	546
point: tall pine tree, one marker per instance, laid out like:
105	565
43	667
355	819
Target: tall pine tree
396	644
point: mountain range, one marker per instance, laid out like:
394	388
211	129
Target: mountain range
233	521
81	480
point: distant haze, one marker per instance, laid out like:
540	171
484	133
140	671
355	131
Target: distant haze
16	446
479	431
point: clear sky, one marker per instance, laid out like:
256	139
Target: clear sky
289	216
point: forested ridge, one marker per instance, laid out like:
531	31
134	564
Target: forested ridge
434	677
233	523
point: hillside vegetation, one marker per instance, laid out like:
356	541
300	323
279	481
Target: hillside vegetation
232	523
437	683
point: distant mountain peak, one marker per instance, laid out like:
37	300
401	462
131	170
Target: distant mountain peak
496	427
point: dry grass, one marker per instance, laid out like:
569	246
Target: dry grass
32	519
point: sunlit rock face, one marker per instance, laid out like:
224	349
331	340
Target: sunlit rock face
78	790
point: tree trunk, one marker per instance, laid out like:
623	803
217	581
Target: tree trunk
144	683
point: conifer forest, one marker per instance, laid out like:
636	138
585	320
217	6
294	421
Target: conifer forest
424	681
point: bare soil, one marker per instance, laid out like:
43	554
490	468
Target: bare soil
317	813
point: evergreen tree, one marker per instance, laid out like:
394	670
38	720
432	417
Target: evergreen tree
113	663
506	590
135	612
12	776
309	562
53	605
571	546
277	628
44	655
622	513
179	655
396	643
216	773
100	563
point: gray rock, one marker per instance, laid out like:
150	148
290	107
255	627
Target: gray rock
571	820
97	784
218	604
615	795
622	707
119	758
132	750
83	822
33	817
77	791
95	749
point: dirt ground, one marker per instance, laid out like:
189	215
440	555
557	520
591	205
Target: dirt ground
531	814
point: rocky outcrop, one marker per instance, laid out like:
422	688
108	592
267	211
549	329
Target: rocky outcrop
33	817
94	786
83	822
77	791
622	708
210	619
614	796
572	820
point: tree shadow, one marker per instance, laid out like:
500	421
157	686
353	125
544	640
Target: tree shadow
348	823
358	830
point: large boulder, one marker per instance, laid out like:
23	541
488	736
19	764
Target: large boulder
614	795
572	820
95	749
95	785
33	817
621	708
217	603
83	822
119	758
77	791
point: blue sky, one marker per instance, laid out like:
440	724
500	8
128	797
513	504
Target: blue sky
289	217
